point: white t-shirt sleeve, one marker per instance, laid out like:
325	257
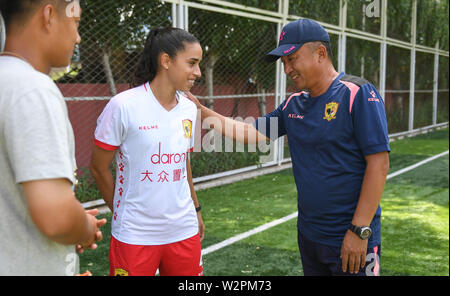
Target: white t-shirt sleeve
37	137
110	131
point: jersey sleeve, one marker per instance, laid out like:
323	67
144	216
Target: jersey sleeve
272	124
110	131
369	121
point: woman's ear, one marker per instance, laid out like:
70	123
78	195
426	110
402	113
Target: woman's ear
165	61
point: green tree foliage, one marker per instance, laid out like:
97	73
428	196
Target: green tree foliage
358	19
399	14
117	28
432	22
324	11
238	44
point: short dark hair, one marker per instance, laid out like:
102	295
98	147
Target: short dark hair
327	45
21	9
159	40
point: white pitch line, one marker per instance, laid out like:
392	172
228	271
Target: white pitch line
266	226
241	236
411	167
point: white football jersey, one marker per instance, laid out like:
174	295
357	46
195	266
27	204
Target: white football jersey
152	198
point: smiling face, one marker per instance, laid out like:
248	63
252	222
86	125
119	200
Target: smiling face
300	66
184	68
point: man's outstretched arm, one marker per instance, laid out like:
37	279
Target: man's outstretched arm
239	131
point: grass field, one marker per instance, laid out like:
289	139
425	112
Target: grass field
415	219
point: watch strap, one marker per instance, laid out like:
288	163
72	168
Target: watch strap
360	231
355	229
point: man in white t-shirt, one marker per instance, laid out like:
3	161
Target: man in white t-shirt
40	219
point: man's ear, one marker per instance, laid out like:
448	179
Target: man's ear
48	14
322	52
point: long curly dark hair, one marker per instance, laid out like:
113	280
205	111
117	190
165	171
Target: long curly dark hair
159	40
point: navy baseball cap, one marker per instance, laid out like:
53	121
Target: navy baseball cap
294	35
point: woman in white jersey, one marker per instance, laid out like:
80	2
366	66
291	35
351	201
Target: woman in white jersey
149	130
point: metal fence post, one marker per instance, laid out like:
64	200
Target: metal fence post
180	17
412	66
435	83
2	33
342	35
280	95
383	49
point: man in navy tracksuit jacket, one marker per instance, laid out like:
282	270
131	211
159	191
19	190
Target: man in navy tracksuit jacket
338	139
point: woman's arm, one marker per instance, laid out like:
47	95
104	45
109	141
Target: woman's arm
101	160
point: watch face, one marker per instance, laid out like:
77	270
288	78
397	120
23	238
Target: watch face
366	232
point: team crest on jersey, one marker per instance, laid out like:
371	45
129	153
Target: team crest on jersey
120	272
331	110
187	128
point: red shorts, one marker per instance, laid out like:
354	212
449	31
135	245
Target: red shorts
181	258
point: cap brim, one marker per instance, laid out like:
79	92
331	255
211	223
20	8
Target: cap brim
280	51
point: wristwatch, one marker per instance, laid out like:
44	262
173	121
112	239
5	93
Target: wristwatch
363	232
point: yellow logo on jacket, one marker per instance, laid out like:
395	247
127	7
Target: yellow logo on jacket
187	128
331	110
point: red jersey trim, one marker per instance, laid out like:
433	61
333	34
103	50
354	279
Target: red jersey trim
105	146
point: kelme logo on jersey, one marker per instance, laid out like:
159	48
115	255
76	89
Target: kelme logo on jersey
331	110
187	128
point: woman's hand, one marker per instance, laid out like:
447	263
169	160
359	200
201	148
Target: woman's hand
201	226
